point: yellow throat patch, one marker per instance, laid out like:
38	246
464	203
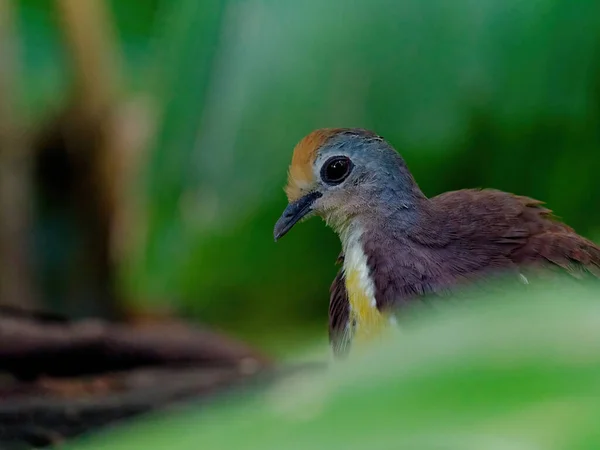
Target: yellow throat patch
369	321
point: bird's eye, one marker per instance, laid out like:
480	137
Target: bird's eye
336	169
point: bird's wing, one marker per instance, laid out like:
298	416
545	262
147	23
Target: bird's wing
340	328
522	229
561	249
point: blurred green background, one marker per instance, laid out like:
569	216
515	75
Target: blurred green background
490	93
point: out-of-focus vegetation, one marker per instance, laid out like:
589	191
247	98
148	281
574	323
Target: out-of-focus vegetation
483	375
143	150
495	93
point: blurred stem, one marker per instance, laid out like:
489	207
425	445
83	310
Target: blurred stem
94	53
107	133
88	129
16	283
89	34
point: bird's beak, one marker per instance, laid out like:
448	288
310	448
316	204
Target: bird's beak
293	213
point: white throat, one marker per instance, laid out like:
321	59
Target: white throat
356	267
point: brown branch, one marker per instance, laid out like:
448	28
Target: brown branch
33	348
89	374
46	414
43	415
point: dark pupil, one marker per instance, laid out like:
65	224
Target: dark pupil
337	170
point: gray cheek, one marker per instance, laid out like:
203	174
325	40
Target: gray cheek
343	201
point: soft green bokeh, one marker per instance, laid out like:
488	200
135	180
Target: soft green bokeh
495	93
510	371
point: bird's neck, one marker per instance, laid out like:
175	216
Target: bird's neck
382	223
391	209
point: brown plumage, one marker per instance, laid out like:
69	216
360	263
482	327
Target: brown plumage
399	245
465	235
300	171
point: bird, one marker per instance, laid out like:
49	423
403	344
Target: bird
399	245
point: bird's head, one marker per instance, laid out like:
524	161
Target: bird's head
344	173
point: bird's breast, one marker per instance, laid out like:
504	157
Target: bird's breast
367	320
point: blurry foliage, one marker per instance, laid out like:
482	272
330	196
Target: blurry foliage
480	376
495	93
45	72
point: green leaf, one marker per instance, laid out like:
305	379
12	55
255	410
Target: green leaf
517	370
